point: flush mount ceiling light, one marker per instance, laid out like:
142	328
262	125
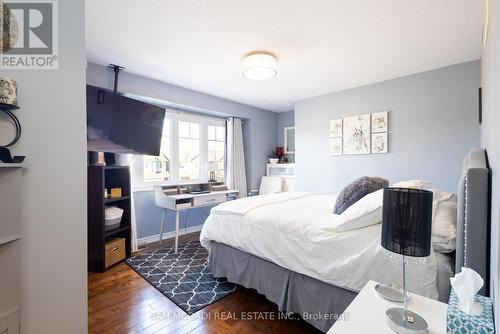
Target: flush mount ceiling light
259	66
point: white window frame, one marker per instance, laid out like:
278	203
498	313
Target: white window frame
218	141
139	184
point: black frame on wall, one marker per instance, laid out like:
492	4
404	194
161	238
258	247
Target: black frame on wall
480	98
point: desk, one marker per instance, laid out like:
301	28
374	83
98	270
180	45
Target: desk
181	202
366	314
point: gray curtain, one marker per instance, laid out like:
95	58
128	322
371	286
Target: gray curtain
236	175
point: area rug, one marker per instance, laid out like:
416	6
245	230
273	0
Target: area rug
184	278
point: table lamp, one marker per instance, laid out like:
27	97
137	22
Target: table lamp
213	167
406	230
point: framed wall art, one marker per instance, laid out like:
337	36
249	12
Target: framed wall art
336	146
356	130
336	128
380	143
380	122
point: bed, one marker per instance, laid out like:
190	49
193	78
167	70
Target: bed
284	246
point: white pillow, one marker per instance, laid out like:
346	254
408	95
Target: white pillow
365	212
414	184
440	196
443	245
444	227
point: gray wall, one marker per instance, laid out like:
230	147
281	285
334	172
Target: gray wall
433	123
54	204
491	141
259	133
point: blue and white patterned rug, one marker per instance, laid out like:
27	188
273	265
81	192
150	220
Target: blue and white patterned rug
184	278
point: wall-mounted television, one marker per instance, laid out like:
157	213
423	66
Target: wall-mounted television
120	124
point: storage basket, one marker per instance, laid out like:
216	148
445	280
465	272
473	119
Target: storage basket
112	218
114	251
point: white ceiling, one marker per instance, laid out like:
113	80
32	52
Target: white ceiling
322	45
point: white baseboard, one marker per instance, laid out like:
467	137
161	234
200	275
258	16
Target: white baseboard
156	238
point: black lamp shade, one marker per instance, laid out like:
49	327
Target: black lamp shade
407	221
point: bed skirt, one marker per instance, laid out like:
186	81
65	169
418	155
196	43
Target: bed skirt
319	303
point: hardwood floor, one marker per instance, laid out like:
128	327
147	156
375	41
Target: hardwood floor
120	301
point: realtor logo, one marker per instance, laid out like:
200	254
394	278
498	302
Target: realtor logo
28	34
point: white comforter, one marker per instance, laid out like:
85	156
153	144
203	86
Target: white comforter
295	231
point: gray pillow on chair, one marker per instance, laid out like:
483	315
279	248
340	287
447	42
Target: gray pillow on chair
358	189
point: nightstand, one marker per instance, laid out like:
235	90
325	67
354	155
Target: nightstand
366	314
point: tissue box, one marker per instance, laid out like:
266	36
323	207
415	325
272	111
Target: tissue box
459	322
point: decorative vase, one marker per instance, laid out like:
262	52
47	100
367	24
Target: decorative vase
8	92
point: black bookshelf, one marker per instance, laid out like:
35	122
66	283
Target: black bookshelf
100	178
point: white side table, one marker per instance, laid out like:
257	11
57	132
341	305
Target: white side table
366	314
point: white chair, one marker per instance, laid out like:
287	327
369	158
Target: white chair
269	185
288	184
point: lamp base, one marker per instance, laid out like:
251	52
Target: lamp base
412	324
391	292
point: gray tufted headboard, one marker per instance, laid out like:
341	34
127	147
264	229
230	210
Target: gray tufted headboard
473	244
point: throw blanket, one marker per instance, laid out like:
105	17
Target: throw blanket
244	205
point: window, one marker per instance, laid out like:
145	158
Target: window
189	151
192	150
216	151
158	168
